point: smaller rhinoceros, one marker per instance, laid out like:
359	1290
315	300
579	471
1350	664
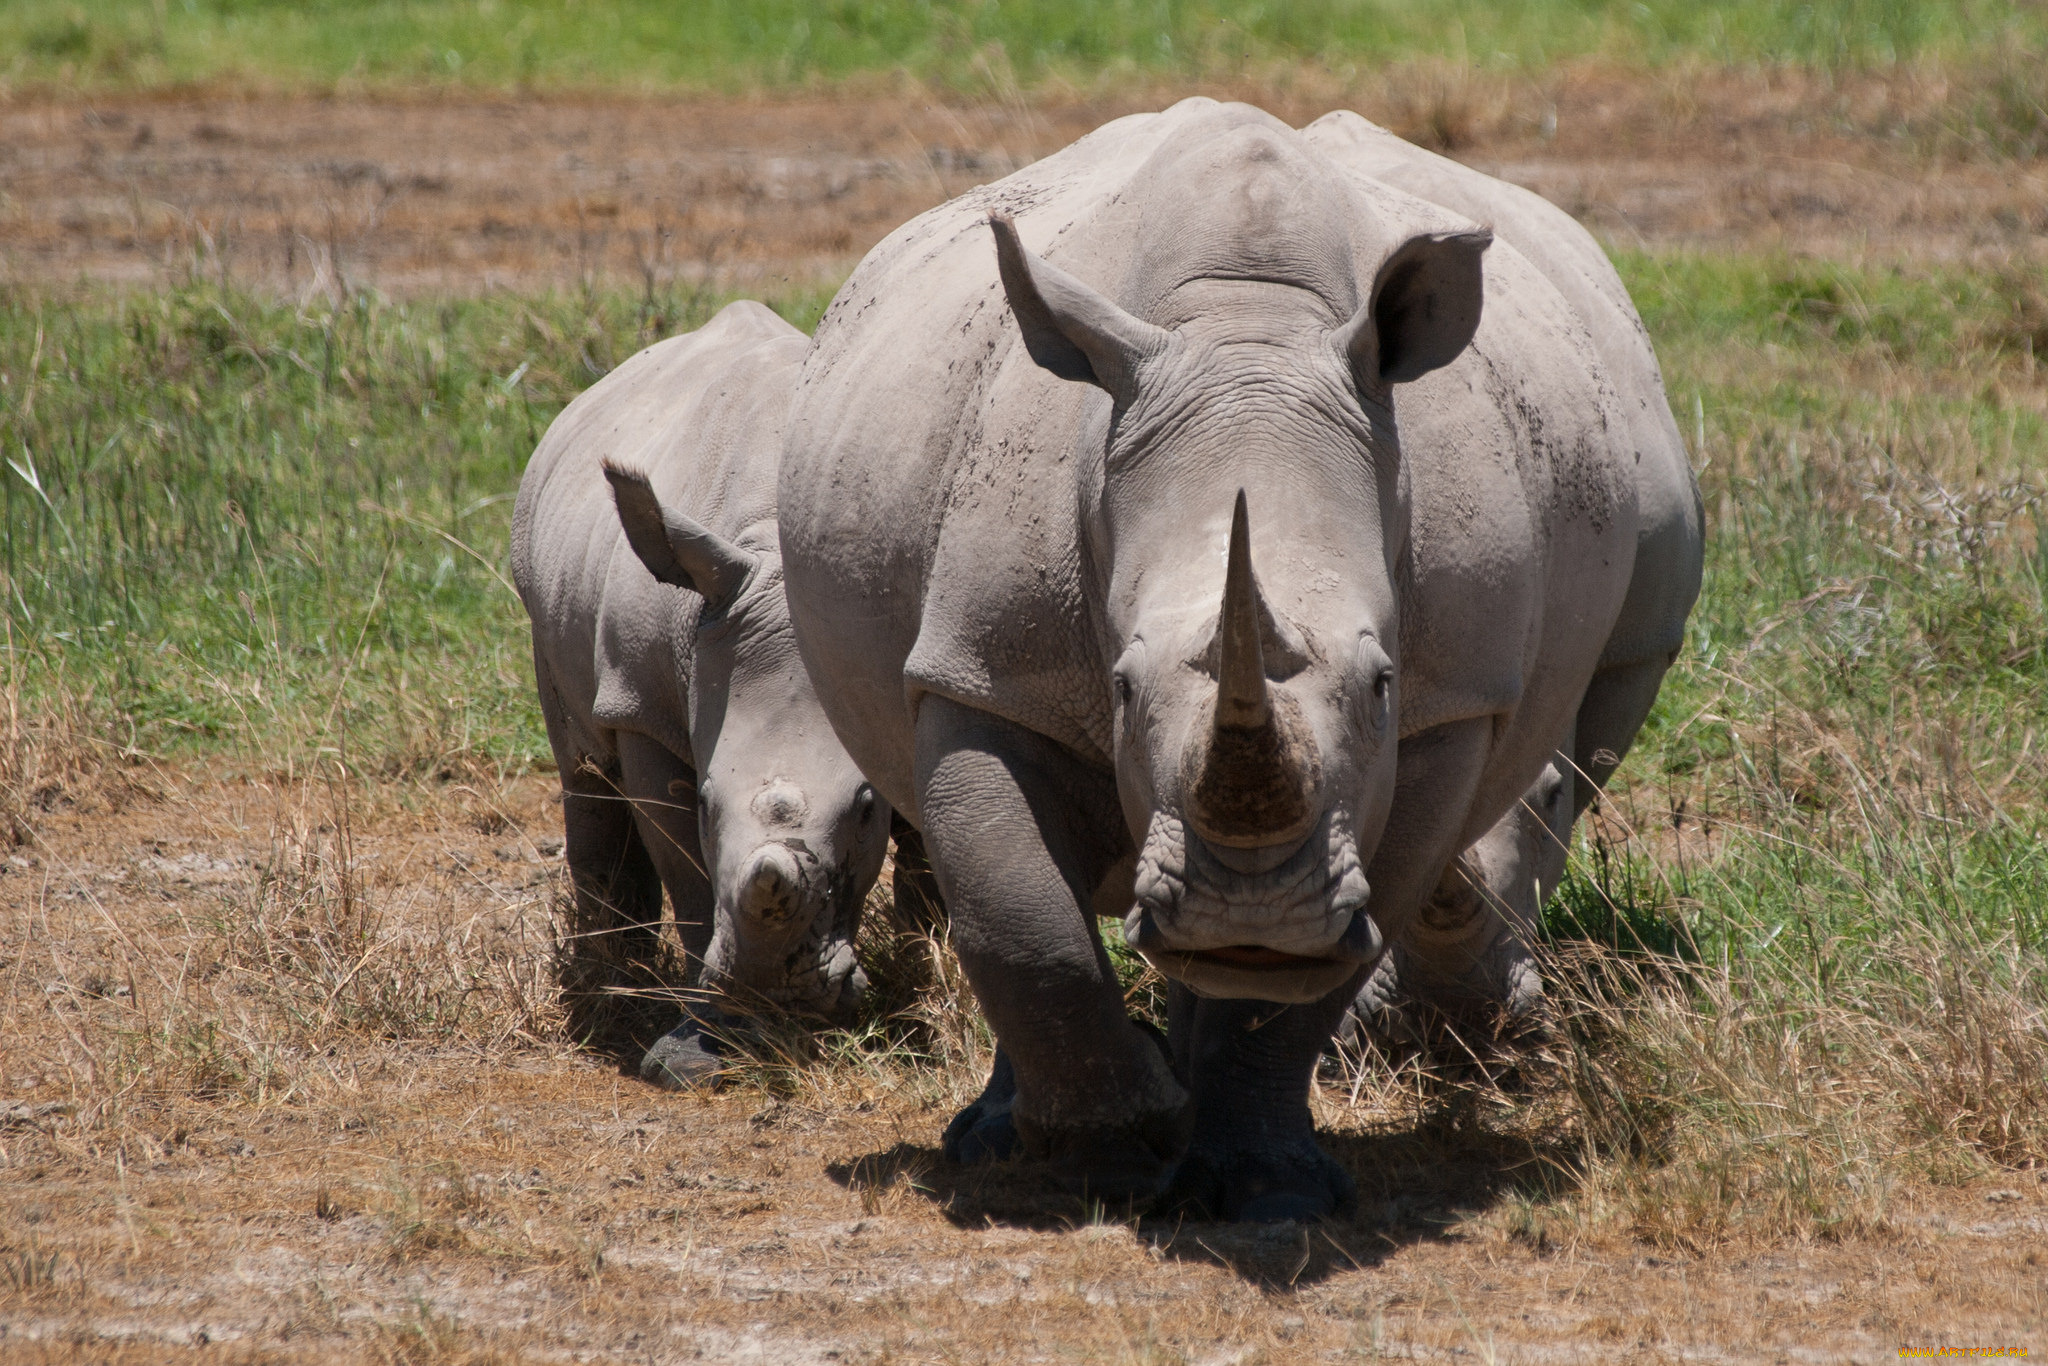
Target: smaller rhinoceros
693	753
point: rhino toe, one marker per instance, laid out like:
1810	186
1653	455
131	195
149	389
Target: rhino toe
1265	1185
681	1059
983	1132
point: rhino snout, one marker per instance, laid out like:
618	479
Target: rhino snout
772	889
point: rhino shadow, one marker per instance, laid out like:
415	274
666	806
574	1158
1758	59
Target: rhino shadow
1415	1185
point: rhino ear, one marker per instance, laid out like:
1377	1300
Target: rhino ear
676	550
1069	328
1423	310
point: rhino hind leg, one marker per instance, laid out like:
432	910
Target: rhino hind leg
1021	836
660	788
613	886
1616	704
1467	963
615	900
1467	960
916	907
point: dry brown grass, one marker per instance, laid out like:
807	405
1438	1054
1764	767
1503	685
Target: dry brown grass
284	1071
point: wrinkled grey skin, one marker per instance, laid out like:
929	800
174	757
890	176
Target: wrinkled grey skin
694	755
1227	547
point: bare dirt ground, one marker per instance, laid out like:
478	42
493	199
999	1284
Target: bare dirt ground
499	1197
473	193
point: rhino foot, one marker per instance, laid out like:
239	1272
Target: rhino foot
1402	1009
1127	1166
984	1132
1128	1162
683	1058
1268	1183
1118	1164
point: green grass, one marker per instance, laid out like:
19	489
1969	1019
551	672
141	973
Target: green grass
1868	671
269	531
967	45
1837	811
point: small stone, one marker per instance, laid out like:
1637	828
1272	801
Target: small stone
2002	1197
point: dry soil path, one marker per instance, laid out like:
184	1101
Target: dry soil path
461	194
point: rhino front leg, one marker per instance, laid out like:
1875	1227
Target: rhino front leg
1022	836
614	889
661	789
1254	1155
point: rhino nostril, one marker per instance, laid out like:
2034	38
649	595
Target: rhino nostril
770	890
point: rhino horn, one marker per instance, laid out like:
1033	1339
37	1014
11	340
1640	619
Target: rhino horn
676	549
1255	781
1242	700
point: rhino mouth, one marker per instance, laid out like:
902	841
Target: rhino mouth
1255	956
1292	931
800	961
821	978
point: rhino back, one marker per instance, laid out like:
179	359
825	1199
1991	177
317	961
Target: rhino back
702	415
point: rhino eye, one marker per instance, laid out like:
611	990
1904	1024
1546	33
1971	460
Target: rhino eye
1123	690
866	801
1382	690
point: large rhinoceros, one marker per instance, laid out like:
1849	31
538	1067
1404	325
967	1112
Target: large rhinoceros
1198	528
693	752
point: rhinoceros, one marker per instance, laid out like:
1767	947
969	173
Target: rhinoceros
1220	528
693	752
